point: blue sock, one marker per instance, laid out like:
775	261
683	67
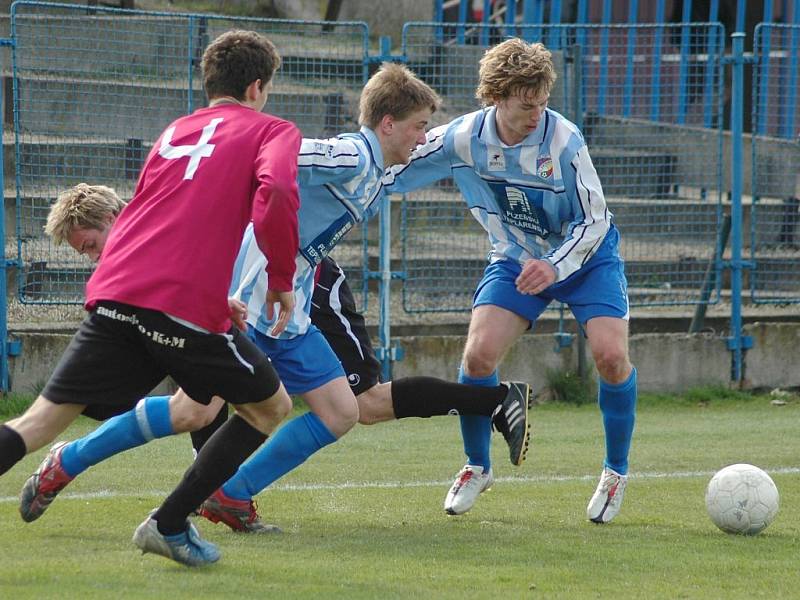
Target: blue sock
618	405
476	430
147	421
289	447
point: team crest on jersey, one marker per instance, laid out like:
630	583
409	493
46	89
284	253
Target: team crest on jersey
544	167
496	158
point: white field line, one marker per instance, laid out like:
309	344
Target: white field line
300	487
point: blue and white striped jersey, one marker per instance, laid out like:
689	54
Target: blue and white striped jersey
539	199
340	185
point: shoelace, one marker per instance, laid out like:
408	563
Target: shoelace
611	485
253	516
466	477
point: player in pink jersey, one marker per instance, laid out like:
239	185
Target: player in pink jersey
158	300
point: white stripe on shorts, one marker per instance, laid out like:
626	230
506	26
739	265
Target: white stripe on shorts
336	305
235	351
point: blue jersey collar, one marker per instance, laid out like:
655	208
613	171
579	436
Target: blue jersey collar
374	146
489	134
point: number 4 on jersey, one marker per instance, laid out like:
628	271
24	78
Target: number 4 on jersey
202	149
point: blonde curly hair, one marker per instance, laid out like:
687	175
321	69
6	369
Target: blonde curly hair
513	67
81	207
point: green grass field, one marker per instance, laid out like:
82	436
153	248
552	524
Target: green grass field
364	518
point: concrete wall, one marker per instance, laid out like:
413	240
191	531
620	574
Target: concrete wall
671	362
384	17
387	17
666	362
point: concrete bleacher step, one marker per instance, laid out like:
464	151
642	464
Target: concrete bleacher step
164	45
453	265
672	218
673	227
76	111
645	174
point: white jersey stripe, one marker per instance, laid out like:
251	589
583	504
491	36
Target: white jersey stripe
340	186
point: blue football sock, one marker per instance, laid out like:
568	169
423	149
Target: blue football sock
476	430
147	421
291	445
618	405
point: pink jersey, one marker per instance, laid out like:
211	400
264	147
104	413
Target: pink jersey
173	247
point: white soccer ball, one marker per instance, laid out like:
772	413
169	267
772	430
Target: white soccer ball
742	499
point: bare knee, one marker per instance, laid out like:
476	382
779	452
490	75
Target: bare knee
43	421
478	363
339	419
612	364
188	415
266	415
375	404
349	417
278	407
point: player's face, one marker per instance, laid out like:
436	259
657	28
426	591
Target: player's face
405	136
519	115
90	241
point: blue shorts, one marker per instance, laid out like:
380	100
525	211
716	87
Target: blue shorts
303	363
598	289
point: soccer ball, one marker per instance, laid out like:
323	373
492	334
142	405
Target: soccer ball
742	499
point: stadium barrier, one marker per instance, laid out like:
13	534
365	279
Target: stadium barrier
91	89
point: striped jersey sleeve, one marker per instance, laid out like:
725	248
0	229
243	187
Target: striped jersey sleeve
331	160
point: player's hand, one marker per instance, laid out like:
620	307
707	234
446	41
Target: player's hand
536	276
286	301
238	313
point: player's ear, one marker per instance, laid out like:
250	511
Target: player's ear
387	124
253	91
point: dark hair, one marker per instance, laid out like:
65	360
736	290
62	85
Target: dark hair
235	60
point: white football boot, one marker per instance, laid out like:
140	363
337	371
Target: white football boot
607	499
470	482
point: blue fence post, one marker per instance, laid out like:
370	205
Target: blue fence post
438	17
462	18
633	11
485	19
741	6
655	81
712	68
511	17
532	12
7	348
737	343
602	85
686	16
553	35
794	64
582	17
386	353
762	43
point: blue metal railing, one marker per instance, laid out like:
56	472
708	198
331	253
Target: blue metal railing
535	12
664	178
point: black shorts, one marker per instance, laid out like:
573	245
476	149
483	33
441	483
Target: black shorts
121	352
333	311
